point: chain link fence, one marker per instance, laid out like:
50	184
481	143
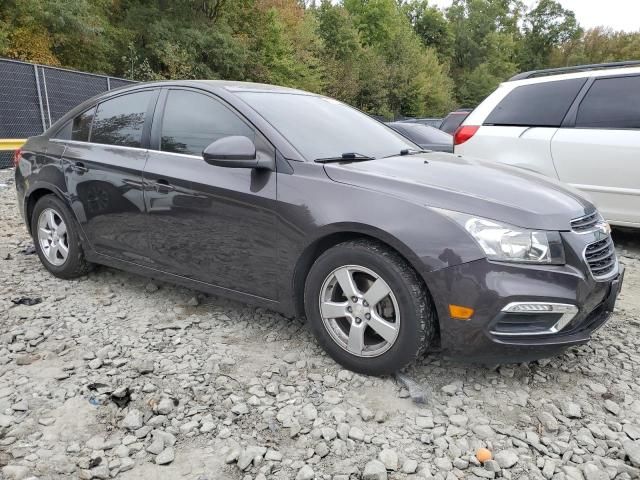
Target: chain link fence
32	97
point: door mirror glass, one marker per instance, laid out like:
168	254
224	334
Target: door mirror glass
235	151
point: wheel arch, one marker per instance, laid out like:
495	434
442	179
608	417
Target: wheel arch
338	234
36	193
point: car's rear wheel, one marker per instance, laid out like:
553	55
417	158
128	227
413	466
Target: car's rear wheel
368	308
56	239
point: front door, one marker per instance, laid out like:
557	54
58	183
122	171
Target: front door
211	224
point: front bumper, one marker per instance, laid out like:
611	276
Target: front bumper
488	287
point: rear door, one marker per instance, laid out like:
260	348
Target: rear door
103	165
601	155
212	224
519	129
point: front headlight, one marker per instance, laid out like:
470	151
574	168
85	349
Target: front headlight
506	243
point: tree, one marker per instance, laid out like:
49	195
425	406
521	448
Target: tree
547	26
431	26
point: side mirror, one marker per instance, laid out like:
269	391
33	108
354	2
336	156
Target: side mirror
234	152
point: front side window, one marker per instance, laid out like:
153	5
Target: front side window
192	121
120	120
611	103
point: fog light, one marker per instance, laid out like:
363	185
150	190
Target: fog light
566	311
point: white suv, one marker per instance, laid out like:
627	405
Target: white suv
582	128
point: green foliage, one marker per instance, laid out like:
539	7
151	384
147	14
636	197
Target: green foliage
387	57
547	26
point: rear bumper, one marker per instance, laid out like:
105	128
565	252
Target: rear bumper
488	287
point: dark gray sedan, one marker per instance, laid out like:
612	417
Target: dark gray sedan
301	204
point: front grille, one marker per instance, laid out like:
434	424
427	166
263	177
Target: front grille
601	257
586	223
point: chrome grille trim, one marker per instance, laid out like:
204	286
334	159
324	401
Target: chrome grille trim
601	258
587	223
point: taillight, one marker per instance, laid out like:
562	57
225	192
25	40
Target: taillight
17	155
464	133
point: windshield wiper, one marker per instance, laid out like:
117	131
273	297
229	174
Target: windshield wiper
345	157
408	151
413	151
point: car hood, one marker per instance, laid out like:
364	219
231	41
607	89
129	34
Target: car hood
495	191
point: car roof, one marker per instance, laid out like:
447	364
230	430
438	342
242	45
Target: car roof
229	85
609	72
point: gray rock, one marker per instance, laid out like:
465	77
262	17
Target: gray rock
506	458
409	466
632	449
165	406
443	464
156	446
134	420
310	412
15	472
305	473
571	410
356	434
374	470
166	456
389	458
144	366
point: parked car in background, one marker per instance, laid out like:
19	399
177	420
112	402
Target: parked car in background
452	121
580	125
429	122
301	204
429	138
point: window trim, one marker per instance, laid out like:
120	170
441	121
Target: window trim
572	116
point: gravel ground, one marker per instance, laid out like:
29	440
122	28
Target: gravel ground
114	375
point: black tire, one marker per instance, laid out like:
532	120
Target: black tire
75	264
418	318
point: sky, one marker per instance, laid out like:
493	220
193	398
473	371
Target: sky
617	14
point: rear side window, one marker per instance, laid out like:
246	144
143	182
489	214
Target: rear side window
192	121
120	120
611	103
536	105
81	125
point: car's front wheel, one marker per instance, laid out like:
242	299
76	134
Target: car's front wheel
368	308
56	238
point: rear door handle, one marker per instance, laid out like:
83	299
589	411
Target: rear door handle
162	186
79	168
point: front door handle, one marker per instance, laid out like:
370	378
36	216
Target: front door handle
162	186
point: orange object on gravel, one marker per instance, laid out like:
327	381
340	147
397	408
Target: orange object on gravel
483	455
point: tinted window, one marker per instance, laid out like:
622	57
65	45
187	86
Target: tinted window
119	121
82	125
64	132
320	127
536	105
611	103
422	134
192	121
452	121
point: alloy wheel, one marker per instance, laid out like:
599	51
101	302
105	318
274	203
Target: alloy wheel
359	310
52	236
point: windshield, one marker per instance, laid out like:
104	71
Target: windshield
320	127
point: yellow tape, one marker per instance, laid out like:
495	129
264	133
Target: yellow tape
11	143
